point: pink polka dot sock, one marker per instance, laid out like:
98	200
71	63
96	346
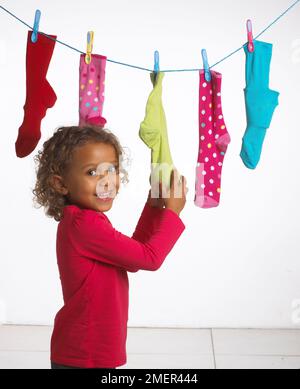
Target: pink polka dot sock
91	90
213	142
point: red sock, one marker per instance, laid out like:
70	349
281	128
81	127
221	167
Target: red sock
39	94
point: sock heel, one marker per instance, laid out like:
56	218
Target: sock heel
223	142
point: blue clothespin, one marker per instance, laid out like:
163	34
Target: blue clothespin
156	64
34	35
206	66
156	61
250	36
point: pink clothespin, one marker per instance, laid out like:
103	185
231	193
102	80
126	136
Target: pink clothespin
250	36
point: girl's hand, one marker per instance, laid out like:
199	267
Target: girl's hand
153	201
178	187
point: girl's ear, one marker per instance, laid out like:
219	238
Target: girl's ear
58	184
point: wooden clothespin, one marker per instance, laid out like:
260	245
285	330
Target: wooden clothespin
89	47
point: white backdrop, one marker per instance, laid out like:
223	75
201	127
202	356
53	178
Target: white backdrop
234	266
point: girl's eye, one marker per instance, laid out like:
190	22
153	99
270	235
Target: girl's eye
111	169
91	172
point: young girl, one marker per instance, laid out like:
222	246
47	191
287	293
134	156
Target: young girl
78	177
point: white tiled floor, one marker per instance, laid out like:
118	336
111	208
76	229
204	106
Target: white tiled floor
26	347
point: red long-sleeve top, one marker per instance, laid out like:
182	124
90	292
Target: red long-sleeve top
93	258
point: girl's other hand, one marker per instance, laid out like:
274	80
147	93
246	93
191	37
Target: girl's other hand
176	198
156	202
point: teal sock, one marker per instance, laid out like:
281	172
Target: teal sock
260	102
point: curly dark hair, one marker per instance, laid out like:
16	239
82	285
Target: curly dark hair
56	156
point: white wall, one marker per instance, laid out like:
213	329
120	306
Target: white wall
234	266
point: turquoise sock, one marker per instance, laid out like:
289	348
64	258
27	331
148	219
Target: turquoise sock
260	102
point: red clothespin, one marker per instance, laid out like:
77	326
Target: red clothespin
250	36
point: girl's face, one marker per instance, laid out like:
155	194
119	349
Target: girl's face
92	181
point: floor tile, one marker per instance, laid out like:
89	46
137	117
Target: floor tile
168	361
25	338
256	362
256	342
24	360
169	341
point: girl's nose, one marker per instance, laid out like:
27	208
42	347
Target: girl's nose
107	181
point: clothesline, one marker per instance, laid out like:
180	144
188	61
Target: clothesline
150	70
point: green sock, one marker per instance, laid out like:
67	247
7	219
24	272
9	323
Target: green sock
154	133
